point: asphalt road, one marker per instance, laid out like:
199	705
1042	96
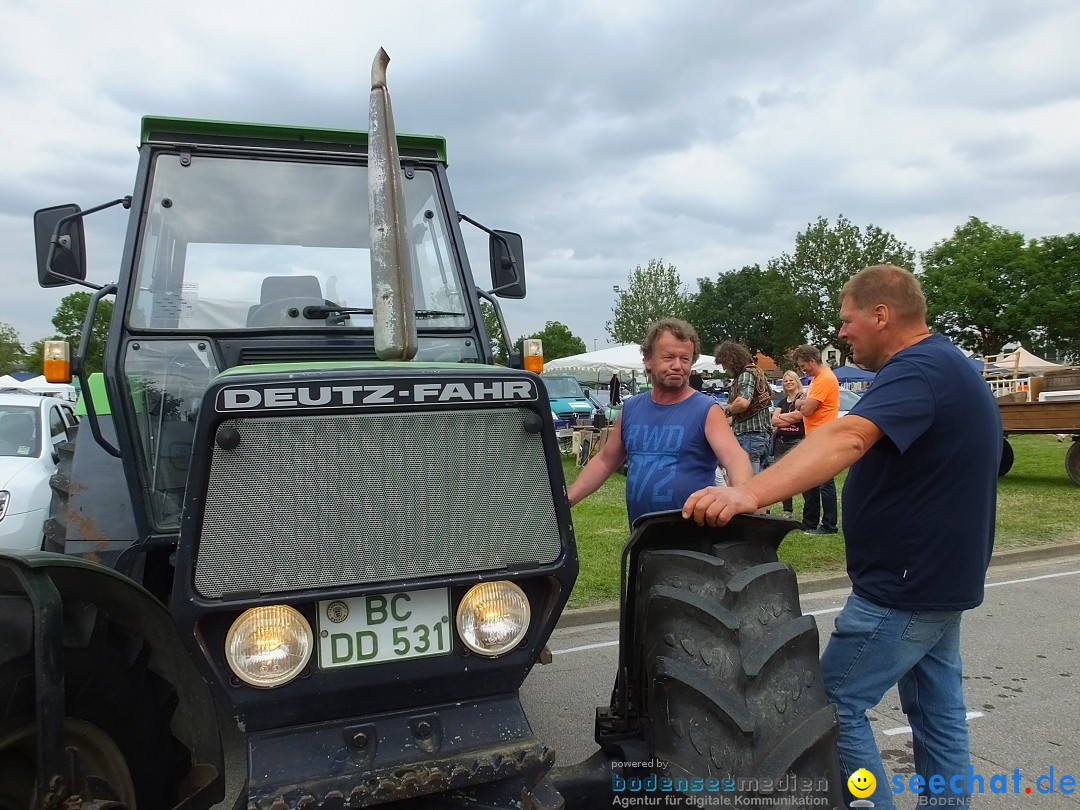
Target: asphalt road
1022	684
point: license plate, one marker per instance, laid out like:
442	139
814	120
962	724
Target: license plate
385	627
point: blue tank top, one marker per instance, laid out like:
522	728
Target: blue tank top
669	456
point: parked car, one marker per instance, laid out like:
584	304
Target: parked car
567	398
717	392
600	397
847	401
31	427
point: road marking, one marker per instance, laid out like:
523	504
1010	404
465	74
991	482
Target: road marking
826	611
891	732
1031	579
585	647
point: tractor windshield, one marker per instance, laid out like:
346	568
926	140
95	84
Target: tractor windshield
232	243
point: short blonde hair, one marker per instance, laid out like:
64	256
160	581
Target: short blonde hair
895	287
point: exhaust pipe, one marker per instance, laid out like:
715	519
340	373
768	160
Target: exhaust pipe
393	308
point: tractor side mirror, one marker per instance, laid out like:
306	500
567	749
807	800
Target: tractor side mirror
61	246
507	264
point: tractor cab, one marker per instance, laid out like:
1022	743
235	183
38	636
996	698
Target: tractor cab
252	246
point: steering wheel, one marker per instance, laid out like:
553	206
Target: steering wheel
284	312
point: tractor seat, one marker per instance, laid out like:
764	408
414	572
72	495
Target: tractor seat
281	293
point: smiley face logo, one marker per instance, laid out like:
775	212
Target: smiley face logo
861	783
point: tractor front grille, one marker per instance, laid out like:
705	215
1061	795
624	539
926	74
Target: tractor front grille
330	500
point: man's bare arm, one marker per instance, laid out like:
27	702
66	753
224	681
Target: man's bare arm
808	406
824	453
600	467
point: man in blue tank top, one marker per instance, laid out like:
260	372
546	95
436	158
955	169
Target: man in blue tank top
924	445
672	435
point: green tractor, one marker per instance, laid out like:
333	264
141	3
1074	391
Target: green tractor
308	540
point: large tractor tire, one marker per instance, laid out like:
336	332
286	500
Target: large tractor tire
117	715
1006	458
733	685
60	482
1072	461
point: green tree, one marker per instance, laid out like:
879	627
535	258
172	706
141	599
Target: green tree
977	284
755	307
651	293
495	333
1052	302
68	321
825	257
35	358
559	341
12	353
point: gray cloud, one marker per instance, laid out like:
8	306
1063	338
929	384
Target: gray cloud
608	133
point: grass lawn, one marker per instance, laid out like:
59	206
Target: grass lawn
1037	504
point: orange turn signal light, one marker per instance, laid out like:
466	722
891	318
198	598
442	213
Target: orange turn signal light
57	361
533	351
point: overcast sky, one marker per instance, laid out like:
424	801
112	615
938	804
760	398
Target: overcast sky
707	134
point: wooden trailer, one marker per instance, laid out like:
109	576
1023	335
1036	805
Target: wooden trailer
1036	396
1061	418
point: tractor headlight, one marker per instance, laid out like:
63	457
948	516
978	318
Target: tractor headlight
269	646
493	617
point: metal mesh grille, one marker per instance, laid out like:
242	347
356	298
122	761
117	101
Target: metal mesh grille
315	501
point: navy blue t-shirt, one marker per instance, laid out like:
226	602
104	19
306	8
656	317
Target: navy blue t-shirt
670	458
919	506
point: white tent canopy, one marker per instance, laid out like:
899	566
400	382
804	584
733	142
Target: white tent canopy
1021	361
623	359
39	385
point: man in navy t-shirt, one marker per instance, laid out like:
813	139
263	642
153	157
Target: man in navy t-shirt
673	436
907	546
923	444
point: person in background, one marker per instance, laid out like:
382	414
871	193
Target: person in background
750	420
787	419
820	406
922	442
614	391
672	435
695	381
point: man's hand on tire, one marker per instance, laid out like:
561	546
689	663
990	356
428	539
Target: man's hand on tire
715	506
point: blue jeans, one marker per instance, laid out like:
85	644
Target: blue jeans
874	647
756	446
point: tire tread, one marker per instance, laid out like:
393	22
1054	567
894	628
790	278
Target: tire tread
731	677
